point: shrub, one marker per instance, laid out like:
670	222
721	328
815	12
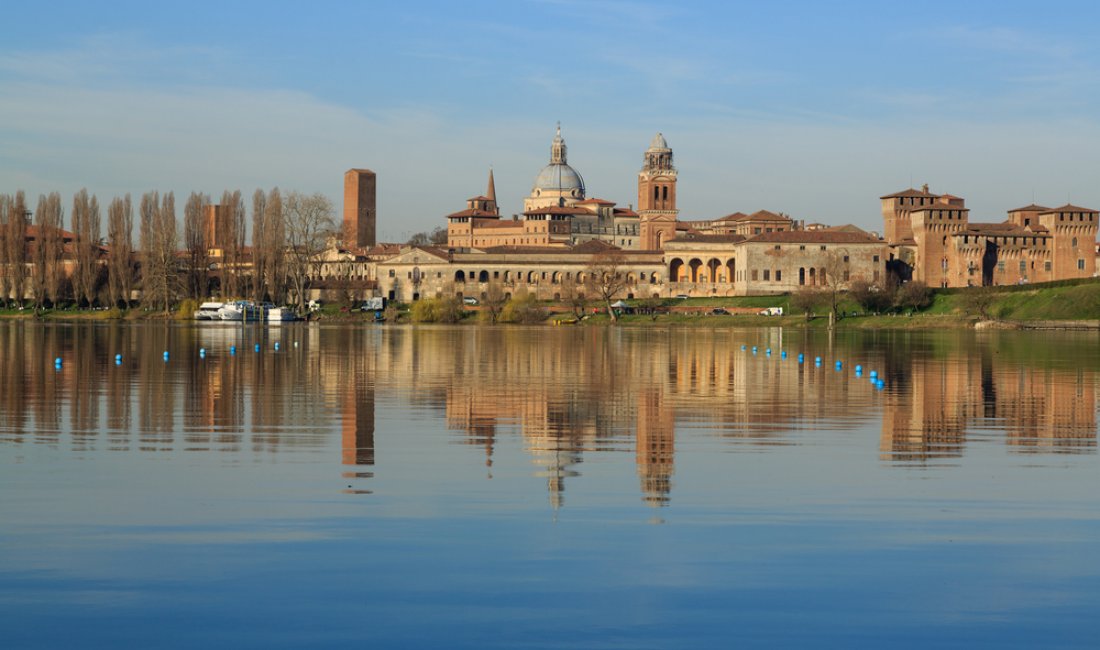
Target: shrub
913	295
437	310
524	309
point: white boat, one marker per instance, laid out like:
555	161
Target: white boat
209	311
280	315
240	310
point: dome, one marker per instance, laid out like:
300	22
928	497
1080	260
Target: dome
658	143
560	177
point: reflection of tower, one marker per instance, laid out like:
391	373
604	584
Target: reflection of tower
357	427
657	196
655	448
557	462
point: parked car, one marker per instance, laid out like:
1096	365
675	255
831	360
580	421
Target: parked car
682	296
718	311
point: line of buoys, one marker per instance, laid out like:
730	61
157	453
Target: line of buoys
874	374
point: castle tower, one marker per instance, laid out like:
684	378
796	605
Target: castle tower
657	196
934	227
1074	240
359	208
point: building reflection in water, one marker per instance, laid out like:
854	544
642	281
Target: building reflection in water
566	393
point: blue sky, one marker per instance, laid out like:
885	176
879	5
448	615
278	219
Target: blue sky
813	109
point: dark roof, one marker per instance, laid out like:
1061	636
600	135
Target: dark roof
736	216
484	214
594	246
624	212
936	206
1069	207
703	238
910	193
1030	208
554	209
814	237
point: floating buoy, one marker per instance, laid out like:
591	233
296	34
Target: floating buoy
859	371
118	357
768	352
166	355
742	347
874	374
232	349
859	368
817	360
783	354
57	361
276	346
839	365
256	347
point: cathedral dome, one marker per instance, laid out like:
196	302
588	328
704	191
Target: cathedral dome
658	143
560	177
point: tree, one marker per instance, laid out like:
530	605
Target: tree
13	220
159	272
308	223
39	279
913	295
274	242
5	251
871	297
494	300
807	300
120	231
195	241
606	278
979	301
572	294
231	239
260	250
86	224
52	243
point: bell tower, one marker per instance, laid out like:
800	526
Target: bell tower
657	196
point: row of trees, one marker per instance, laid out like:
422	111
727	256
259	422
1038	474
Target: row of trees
86	268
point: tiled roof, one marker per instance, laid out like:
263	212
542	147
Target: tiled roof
815	237
1069	207
484	214
624	212
595	202
936	206
594	246
702	238
1031	208
909	193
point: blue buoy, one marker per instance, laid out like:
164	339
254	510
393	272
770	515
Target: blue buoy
232	349
859	368
859	371
874	374
202	353
276	346
783	354
817	360
742	347
801	357
256	347
118	357
57	361
768	352
118	361
166	355
839	365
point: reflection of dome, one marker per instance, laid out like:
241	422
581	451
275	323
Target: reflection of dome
560	177
658	143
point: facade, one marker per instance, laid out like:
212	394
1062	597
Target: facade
360	212
933	237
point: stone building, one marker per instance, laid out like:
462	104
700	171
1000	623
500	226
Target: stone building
933	238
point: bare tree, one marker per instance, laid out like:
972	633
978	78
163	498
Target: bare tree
38	277
14	220
606	278
274	245
86	224
5	250
494	300
158	247
259	247
231	238
53	243
120	232
806	300
308	223
572	294
194	240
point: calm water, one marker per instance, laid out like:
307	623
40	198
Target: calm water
545	488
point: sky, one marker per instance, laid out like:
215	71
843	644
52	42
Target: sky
808	108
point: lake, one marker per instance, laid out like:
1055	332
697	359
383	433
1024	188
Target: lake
546	487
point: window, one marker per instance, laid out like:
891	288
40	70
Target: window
1046	266
767	275
875	258
801	248
778	275
393	274
756	231
845	259
1080	265
1001	266
754	274
823	247
846	275
777	247
1023	266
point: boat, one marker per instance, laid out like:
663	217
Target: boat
280	315
240	310
209	311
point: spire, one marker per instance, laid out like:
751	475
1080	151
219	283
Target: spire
491	193
557	150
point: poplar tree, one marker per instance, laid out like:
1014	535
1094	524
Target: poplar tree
194	240
120	230
86	228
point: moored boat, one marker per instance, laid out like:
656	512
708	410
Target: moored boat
209	311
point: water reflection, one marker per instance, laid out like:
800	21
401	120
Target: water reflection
565	393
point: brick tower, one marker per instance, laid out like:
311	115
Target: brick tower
359	208
657	196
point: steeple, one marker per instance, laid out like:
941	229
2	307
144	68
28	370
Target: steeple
557	150
491	193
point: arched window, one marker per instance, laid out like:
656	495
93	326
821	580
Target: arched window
664	190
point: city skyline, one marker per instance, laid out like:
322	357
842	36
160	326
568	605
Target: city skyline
815	112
